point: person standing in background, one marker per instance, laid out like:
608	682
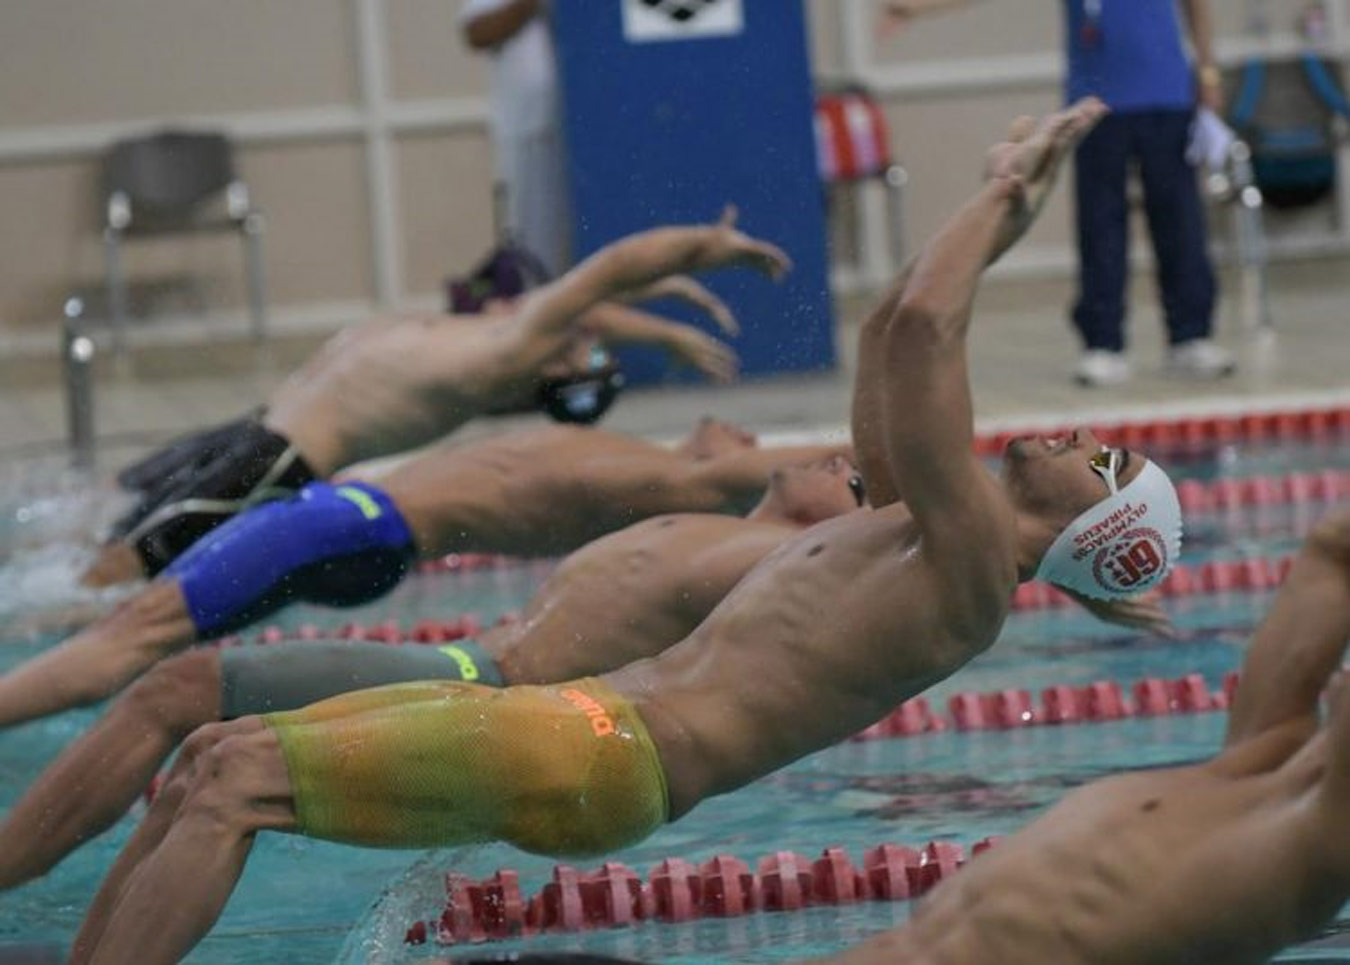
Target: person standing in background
526	128
1130	53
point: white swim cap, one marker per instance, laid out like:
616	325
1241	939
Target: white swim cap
1123	545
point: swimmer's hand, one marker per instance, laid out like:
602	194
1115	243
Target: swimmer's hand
699	350
1143	612
1024	167
685	289
725	247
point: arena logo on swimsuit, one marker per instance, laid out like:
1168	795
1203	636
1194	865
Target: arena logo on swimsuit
601	723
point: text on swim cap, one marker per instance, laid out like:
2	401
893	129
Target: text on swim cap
1101	533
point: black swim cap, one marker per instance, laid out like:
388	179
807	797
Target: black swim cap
581	399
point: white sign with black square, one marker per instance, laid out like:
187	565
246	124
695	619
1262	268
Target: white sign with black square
654	20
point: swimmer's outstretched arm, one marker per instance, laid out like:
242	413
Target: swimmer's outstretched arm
927	424
618	324
549	315
667	482
682	288
1302	640
1293	658
869	399
738	479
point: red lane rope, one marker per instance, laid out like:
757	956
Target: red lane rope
1296	488
614	895
1190	431
1013	708
1250	574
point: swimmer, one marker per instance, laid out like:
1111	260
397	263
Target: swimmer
618	599
533	492
1227	861
826	635
393	384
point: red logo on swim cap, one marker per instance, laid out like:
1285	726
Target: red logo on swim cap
1132	562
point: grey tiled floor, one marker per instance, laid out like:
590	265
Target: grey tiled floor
1021	351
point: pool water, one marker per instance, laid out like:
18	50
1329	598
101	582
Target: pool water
306	901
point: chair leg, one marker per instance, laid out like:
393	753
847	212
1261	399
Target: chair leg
252	231
116	285
897	182
77	360
1249	234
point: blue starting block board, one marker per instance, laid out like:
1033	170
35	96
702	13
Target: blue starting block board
675	108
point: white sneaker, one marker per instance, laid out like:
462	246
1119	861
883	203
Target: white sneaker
1199	359
1099	367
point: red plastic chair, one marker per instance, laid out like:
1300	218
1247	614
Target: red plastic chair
853	147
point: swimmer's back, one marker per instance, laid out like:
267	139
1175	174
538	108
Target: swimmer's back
393	384
1180	865
545	491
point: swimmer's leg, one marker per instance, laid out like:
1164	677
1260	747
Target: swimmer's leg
335	545
113	565
230	782
101	659
99	776
300	673
156	851
340	546
563	770
248	465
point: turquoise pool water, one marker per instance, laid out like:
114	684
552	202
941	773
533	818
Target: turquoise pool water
304	901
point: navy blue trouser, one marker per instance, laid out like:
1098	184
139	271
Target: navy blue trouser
1156	141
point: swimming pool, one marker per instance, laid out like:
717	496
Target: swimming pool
307	901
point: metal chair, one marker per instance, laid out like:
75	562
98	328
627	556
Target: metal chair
1235	186
164	183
